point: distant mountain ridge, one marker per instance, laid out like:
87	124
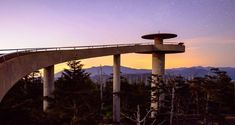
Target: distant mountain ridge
199	71
107	70
184	71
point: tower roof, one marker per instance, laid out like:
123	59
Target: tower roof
159	35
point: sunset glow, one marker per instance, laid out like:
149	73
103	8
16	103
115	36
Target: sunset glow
205	26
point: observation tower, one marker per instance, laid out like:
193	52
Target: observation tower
158	62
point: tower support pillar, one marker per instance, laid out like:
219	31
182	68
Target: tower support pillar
48	84
116	89
158	69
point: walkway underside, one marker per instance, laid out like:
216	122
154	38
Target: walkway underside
16	65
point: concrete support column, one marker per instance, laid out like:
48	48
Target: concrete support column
116	89
158	63
158	40
158	69
48	84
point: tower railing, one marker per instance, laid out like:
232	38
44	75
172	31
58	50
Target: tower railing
19	51
3	51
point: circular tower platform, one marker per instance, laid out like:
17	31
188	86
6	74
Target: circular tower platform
160	47
159	35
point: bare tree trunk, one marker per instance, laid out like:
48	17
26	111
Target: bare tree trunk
101	87
205	117
172	105
138	115
234	91
197	101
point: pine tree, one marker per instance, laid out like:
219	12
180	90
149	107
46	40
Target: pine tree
76	97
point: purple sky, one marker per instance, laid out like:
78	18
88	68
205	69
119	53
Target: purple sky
206	26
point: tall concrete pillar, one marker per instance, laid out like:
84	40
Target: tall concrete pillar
48	84
158	69
116	89
158	66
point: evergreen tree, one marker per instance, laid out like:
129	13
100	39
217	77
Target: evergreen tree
76	98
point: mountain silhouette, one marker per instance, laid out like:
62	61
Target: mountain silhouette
196	71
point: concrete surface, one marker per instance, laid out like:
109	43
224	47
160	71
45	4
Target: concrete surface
14	66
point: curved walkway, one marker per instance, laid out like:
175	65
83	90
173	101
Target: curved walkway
20	62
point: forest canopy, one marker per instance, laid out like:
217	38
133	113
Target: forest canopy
78	100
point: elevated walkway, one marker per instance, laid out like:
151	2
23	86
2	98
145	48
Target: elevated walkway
17	63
